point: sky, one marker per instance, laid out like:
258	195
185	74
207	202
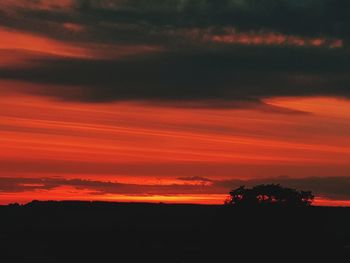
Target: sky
175	101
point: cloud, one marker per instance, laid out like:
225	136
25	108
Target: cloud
17	185
194	53
334	188
219	76
308	18
196	179
182	22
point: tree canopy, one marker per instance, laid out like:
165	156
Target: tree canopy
269	194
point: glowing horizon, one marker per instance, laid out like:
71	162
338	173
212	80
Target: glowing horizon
132	144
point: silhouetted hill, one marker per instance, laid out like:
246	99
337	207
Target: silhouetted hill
74	231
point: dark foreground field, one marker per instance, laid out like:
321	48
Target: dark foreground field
110	232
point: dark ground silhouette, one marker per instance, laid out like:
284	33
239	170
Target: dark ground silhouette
123	232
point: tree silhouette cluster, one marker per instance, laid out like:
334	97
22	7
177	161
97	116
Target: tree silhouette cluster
269	194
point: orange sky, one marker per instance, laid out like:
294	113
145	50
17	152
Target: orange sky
135	143
17	47
138	150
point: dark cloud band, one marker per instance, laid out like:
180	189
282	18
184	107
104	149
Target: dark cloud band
210	52
336	188
311	17
228	74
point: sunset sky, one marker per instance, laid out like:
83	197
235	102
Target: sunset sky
175	101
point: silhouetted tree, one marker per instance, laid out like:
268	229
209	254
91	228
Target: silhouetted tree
269	194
